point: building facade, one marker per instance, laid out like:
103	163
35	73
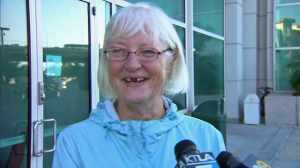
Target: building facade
262	51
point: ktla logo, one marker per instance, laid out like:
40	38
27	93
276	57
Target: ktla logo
206	157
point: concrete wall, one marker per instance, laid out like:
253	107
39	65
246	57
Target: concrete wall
265	43
233	57
248	51
249	47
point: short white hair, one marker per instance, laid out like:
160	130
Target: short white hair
148	19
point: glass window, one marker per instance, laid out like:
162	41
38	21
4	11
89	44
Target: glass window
287	1
65	64
287	68
14	85
180	99
107	10
287	26
181	33
65	56
103	18
209	15
287	29
174	8
208	67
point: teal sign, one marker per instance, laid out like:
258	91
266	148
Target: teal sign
53	65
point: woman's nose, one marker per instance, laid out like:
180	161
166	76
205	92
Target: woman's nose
132	63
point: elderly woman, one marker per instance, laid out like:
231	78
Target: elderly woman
136	126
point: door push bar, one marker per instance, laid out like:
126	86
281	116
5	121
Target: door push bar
36	150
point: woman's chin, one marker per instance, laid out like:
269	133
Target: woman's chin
135	99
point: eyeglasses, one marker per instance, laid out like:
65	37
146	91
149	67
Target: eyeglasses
143	54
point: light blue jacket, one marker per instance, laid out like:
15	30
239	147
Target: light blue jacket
104	141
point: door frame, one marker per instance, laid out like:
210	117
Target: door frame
36	114
35	109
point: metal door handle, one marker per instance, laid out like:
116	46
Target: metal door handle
41	93
36	151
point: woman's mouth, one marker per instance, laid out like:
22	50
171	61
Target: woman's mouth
134	80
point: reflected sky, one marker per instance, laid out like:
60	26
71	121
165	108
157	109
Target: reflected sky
287	1
13	16
62	22
288	12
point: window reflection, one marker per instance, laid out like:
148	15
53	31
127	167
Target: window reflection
13	83
180	99
287	63
287	26
208	67
103	19
287	45
65	64
174	8
65	68
65	47
209	15
287	1
181	33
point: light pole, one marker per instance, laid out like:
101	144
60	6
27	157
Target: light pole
2	33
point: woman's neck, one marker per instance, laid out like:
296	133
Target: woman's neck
141	111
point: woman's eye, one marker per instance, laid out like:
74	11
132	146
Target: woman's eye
148	52
117	50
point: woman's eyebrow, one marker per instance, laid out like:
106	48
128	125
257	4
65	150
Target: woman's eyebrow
123	44
118	44
146	45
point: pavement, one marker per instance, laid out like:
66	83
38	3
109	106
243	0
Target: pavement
278	146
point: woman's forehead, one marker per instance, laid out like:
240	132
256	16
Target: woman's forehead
138	39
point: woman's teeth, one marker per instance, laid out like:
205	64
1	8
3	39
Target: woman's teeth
140	79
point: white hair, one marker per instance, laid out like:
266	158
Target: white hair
148	19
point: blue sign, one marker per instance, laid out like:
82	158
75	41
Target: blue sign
53	65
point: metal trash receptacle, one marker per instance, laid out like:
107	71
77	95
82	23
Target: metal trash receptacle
212	112
251	109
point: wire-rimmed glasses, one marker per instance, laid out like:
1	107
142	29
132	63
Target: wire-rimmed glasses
143	54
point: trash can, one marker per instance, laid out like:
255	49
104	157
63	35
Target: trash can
251	109
212	111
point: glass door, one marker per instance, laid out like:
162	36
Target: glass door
14	84
45	82
65	66
61	82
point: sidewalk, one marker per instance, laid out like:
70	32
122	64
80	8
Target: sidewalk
277	146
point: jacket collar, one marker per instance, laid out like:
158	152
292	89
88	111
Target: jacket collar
106	116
